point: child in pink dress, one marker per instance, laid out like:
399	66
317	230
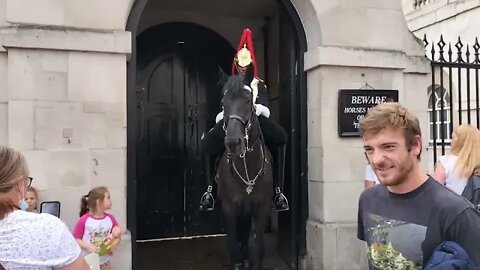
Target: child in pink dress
95	226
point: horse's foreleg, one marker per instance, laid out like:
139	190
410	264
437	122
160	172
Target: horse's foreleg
233	248
256	241
243	230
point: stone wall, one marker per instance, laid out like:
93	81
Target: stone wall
63	99
444	17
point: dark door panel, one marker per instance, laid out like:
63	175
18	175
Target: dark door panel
178	98
289	99
160	150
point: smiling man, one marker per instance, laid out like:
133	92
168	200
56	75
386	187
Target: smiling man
406	217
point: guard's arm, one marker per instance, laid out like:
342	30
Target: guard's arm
262	97
262	110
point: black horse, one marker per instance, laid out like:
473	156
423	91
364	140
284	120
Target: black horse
244	176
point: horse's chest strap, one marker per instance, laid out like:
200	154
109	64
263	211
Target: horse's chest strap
249	183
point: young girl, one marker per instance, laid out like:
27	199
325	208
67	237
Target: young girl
31	198
96	226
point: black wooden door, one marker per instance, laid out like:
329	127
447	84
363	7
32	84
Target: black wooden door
178	96
172	104
161	148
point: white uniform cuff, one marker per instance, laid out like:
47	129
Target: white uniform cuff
262	110
219	117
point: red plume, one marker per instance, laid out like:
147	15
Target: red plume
246	39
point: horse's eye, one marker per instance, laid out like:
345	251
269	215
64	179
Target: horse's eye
248	101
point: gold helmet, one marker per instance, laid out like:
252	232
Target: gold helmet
245	54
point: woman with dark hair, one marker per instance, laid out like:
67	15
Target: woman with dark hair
29	240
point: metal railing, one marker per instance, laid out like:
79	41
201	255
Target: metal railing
455	70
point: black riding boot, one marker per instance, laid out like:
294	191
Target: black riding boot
280	202
207	202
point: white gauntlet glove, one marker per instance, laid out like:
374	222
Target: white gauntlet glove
262	110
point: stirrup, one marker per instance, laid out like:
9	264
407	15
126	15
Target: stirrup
207	201
280	202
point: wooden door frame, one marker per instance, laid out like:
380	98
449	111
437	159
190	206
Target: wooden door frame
132	26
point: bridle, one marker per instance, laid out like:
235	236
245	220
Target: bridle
247	125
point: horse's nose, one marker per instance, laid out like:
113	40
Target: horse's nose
233	144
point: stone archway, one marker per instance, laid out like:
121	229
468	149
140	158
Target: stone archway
296	49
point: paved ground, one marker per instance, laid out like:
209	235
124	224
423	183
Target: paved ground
195	254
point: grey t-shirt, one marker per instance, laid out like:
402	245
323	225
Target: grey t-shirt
402	230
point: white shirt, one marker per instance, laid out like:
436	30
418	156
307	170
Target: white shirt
370	175
95	231
452	181
31	241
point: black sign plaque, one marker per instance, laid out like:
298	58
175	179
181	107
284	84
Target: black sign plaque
354	104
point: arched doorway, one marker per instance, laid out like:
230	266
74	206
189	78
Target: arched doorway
159	51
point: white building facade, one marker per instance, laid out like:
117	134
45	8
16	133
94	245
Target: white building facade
456	24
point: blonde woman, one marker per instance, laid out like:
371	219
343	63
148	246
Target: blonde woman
454	169
29	240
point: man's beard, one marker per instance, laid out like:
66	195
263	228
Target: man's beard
400	175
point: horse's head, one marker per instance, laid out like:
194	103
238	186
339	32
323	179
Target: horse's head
238	112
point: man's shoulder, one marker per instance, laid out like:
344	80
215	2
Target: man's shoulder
448	200
373	192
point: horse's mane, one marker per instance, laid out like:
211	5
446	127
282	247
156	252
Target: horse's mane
234	83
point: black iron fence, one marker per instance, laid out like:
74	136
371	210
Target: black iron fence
454	91
419	3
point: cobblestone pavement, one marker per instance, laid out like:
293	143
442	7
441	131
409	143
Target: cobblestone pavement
194	254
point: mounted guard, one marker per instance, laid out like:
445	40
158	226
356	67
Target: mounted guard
274	134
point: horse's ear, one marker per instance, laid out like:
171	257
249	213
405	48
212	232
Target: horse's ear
222	77
249	74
